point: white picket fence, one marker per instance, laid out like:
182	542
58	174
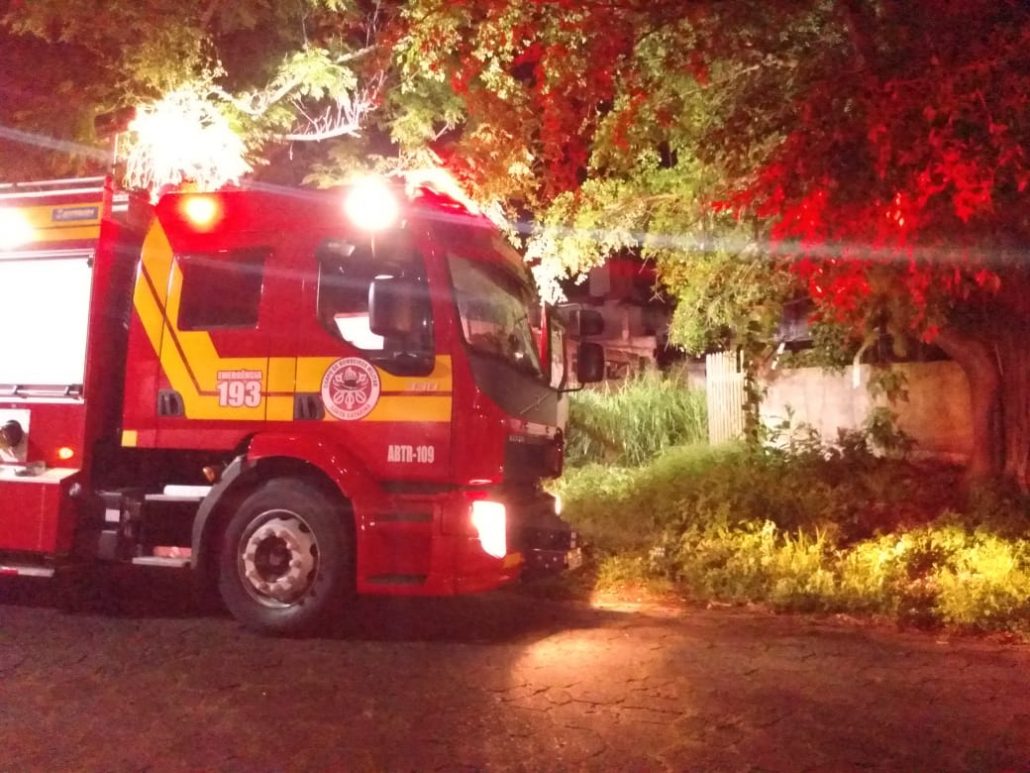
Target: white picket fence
724	379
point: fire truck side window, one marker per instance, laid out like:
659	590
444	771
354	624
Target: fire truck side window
343	285
221	290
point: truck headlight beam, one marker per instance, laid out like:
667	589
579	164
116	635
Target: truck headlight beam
490	520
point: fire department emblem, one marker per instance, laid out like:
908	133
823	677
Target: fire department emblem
350	389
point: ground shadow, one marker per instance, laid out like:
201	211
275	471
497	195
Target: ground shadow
511	615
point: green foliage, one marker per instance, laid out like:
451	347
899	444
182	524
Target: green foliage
811	528
724	298
883	434
628	573
275	69
633	422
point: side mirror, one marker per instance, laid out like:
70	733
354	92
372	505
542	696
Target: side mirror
590	363
393	305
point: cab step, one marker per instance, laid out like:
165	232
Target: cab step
179	494
25	570
161	561
167	556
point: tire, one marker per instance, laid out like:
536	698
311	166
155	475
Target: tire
286	563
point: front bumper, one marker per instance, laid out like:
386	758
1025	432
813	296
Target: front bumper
541	562
427	546
548	544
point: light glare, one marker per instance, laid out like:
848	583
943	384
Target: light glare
15	229
184	137
371	205
202	211
490	522
49	299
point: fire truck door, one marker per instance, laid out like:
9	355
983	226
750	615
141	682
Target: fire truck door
215	381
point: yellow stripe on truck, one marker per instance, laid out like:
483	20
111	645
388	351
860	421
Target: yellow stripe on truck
310	371
200	357
409	408
191	363
151	285
282	372
423	403
48	227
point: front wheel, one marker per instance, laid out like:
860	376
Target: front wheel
287	559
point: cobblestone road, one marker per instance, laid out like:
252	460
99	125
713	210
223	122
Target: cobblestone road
144	681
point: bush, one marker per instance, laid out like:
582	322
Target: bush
850	499
829	529
632	423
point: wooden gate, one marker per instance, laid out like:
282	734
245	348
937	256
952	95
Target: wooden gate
724	384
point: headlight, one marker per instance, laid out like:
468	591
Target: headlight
490	522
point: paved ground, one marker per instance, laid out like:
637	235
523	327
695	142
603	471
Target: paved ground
142	680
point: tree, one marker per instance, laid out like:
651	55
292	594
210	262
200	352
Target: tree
872	151
279	73
902	183
869	153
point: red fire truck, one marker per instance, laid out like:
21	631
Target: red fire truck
298	394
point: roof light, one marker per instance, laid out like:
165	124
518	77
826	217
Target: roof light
202	212
15	229
371	205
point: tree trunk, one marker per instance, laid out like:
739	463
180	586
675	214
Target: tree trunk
981	368
997	366
1014	366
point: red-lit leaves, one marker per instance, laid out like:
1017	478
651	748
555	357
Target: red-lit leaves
900	183
539	80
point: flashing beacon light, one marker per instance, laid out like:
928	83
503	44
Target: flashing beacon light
371	205
15	229
202	212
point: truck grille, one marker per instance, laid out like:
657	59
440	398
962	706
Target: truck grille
528	458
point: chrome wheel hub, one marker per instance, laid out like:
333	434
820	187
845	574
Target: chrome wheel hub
279	559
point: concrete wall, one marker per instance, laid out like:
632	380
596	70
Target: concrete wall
936	414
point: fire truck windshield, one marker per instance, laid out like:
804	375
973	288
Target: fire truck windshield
494	305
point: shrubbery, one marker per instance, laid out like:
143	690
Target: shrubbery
632	423
807	526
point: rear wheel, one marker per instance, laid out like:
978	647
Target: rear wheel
287	559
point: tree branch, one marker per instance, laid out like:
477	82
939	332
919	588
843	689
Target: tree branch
860	27
343	118
209	13
259	104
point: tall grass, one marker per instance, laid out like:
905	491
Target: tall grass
634	422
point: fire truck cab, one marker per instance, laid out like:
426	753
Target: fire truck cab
298	394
